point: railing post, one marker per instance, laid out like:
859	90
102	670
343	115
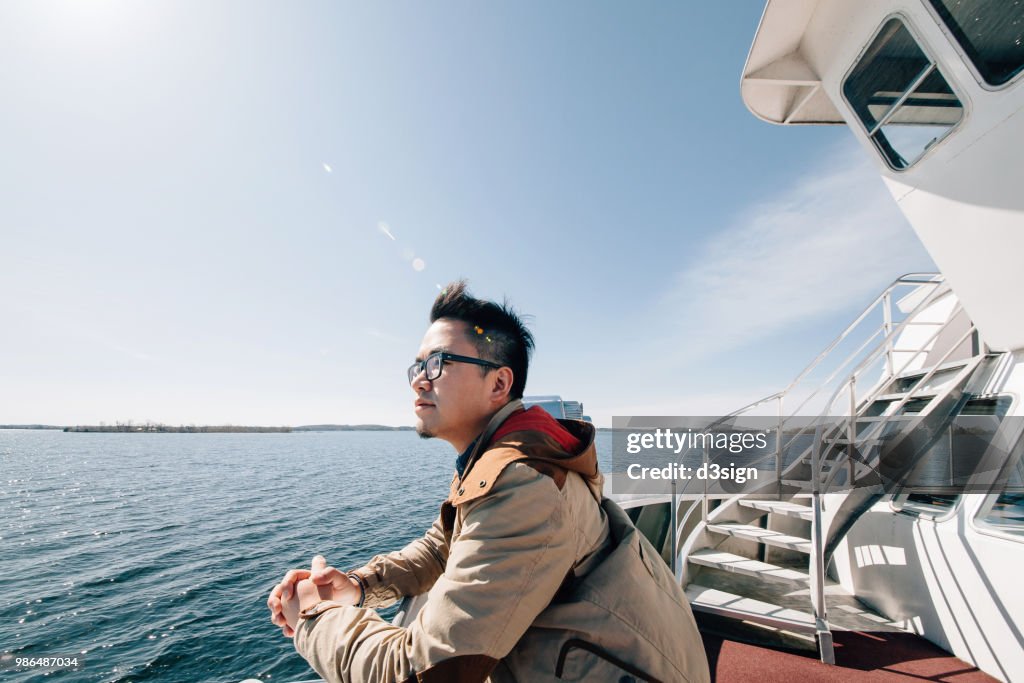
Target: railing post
887	329
851	431
778	452
818	555
674	511
704	498
952	474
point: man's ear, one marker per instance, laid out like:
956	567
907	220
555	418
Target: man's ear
501	384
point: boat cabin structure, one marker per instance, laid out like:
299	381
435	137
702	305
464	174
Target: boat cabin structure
931	89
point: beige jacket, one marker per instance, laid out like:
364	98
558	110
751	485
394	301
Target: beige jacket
530	578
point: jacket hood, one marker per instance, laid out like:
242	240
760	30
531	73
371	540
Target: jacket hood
552	447
573	446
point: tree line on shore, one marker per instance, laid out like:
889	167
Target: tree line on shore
156	427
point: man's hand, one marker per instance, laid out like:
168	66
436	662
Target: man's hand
282	595
341	588
301	589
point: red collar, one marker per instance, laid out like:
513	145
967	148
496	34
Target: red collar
536	419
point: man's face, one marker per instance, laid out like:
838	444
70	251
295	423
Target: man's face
457	405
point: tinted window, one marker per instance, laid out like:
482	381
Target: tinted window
1006	513
932	503
901	97
991	32
955	455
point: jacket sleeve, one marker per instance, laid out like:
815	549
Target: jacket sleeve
514	550
409	571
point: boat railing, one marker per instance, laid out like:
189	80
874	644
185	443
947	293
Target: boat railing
862	359
855	405
883	303
851	384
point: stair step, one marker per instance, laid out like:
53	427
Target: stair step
806	475
842	441
713	601
729	562
804	485
899	396
766	536
779	507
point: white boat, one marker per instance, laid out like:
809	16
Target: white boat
932	91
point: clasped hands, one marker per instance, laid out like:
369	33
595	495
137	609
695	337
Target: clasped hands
302	588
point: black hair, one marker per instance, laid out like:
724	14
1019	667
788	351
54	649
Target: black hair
498	332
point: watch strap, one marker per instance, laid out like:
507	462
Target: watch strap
362	587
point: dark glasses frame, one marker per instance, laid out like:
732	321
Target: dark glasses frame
422	365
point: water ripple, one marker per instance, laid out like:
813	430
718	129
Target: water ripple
152	554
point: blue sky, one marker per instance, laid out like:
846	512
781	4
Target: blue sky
240	212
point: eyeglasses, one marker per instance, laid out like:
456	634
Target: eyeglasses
433	363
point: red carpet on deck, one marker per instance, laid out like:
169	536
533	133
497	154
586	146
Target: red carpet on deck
859	657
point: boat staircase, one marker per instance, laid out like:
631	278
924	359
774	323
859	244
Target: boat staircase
756	562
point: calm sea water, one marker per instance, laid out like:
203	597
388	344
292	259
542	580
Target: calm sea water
150	556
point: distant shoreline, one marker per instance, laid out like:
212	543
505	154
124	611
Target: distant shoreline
129	428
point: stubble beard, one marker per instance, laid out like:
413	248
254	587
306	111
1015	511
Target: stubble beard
424	433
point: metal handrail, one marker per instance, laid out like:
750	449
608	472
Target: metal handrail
905	280
867	363
884	345
884	348
880	425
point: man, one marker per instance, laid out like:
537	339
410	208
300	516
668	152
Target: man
530	577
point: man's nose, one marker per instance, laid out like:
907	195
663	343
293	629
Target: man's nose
420	383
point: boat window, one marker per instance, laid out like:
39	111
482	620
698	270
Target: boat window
996	405
951	458
932	503
901	97
990	32
1005	513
